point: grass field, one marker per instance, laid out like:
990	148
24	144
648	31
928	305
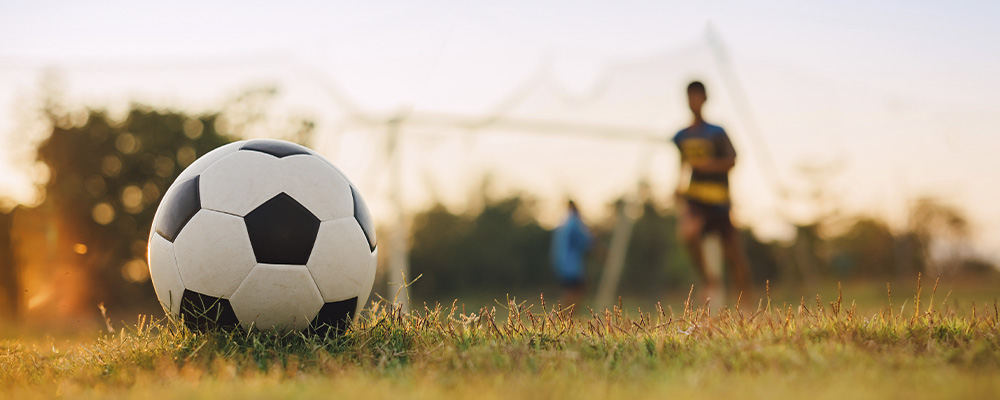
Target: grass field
922	346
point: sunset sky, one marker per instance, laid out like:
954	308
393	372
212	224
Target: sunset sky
904	96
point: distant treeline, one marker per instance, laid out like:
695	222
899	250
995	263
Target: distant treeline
503	249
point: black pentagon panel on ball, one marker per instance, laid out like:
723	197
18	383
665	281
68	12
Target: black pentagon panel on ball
277	148
182	204
202	312
335	315
282	231
364	218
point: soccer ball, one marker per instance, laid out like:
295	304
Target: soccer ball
265	234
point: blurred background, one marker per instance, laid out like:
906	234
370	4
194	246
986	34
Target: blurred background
863	133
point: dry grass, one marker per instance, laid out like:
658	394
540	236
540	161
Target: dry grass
917	348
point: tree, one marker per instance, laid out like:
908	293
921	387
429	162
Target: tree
106	177
935	225
10	303
655	258
866	249
494	252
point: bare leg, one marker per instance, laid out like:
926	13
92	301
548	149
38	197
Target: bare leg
739	266
691	226
711	244
572	296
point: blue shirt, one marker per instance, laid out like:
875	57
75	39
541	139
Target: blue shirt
570	242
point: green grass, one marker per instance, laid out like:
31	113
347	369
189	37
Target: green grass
532	350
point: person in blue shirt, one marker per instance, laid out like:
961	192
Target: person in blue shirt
570	242
707	156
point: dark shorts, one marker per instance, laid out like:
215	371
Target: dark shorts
716	217
571	283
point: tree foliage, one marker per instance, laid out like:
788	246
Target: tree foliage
496	250
504	249
106	178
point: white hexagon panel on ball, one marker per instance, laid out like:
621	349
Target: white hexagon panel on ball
213	253
340	262
240	182
277	297
163	271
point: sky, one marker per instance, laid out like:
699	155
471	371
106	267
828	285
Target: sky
898	98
